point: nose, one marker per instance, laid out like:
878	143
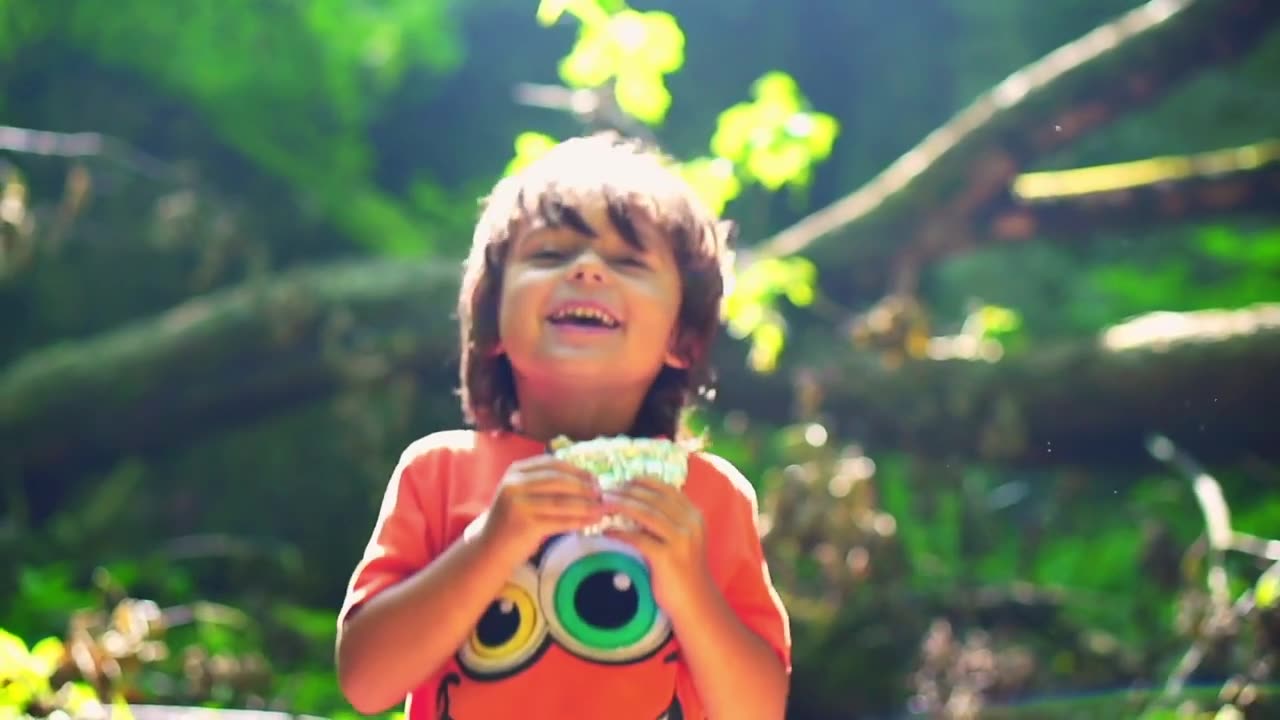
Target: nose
588	268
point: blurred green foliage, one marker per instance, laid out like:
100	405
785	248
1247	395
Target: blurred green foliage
248	535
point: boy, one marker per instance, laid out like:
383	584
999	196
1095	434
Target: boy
587	309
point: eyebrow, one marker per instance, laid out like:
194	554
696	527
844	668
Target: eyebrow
554	212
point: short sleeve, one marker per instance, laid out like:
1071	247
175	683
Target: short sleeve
749	587
402	540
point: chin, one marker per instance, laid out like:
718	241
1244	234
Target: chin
582	370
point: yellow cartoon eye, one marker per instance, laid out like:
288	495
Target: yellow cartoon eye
511	631
603	605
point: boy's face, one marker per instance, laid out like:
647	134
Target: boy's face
590	309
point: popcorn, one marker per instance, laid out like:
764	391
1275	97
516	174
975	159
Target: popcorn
615	461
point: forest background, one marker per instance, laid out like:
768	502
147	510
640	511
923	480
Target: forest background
1000	359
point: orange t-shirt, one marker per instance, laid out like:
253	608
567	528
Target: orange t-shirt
575	633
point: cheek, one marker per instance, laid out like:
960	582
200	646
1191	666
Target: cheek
518	302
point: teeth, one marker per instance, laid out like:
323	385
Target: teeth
585	313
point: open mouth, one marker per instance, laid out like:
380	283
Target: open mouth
585	317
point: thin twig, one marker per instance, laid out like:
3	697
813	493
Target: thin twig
1213	505
87	144
1221	539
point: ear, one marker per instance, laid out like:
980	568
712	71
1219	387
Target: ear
496	350
676	356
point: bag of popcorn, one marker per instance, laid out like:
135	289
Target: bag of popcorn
615	461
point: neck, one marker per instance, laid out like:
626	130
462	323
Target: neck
580	412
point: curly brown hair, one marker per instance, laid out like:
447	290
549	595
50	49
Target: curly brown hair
632	179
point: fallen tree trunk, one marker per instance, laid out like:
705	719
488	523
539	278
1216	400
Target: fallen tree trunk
1239	182
932	200
231	356
1206	379
261	349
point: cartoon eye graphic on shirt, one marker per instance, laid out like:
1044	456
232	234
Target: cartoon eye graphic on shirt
599	601
511	631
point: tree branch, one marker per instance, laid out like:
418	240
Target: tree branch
1203	378
254	351
233	356
1145	193
86	145
923	205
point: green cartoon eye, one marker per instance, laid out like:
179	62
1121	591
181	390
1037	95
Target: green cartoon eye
510	632
602	600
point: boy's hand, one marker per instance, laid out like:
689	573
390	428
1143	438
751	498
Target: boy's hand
670	536
539	497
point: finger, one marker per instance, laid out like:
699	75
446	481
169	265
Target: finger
650	518
550	462
553	501
639	539
552	481
674	501
659	496
565	520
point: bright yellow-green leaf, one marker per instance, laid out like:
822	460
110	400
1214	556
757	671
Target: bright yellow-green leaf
593	60
996	320
643	95
1267	592
78	698
663	47
529	146
549	11
588	11
777	89
733	132
777	166
713	180
120	709
766	346
13	655
822	135
636	48
46	655
800	294
745	318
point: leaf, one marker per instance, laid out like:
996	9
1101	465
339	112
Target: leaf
662	49
800	288
529	146
79	699
766	346
713	180
643	95
1267	592
1222	243
46	656
734	128
777	89
13	655
996	320
120	708
745	317
822	135
549	11
774	167
593	59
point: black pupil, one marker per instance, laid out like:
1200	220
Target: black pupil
497	627
600	602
